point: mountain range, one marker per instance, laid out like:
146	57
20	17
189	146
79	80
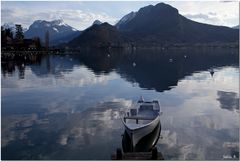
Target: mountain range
97	22
125	19
151	25
98	35
154	25
59	32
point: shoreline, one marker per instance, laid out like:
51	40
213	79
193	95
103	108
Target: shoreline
134	48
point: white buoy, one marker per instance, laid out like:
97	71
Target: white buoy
170	60
134	64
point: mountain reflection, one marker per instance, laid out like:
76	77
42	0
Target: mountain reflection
151	69
68	106
159	70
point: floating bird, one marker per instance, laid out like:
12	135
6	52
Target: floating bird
211	72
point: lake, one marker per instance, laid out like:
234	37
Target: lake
68	106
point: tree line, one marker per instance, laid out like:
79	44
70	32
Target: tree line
13	41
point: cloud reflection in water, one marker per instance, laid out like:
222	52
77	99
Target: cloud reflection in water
49	117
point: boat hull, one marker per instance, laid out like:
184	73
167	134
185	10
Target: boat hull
137	133
145	144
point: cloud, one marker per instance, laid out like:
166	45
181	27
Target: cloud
23	123
6	12
217	13
197	16
82	14
77	18
221	19
10	15
212	13
206	18
81	79
228	1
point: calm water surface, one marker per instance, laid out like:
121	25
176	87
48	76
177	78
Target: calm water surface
68	106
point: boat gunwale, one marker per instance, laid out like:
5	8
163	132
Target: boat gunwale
140	127
144	125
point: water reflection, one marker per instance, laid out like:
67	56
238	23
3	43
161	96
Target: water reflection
153	70
68	106
62	135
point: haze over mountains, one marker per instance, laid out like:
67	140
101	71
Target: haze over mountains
149	26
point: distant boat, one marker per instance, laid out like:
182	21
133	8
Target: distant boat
141	119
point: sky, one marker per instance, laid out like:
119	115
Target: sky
81	14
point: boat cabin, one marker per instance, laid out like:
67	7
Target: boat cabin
142	112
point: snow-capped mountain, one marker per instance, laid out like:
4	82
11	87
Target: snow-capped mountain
11	26
97	22
59	32
126	19
152	25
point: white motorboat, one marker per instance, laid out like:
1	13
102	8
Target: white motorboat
141	119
